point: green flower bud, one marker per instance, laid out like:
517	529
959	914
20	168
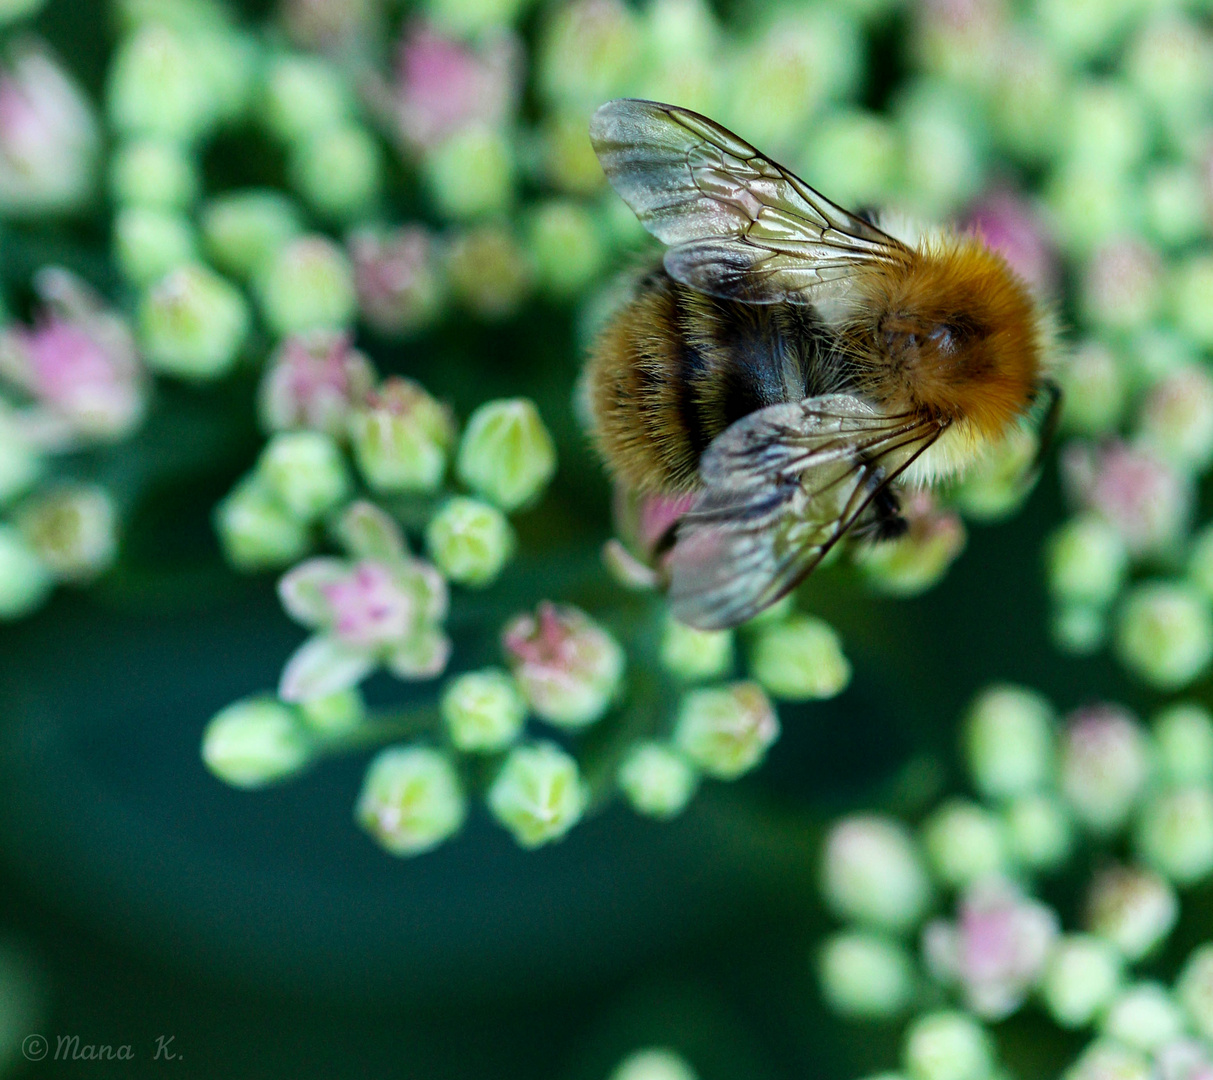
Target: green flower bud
1183	740
656	1064
230	63
1190	290
1200	561
1023	112
244	230
72	529
157	88
338	171
567	247
1121	285
483	710
14	10
657	780
865	975
506	454
467	17
696	655
306	472
1176	418
1168	62
917	561
1108	1058
1093	382
411	800
1079	629
471	173
25	583
944	147
1132	908
1107	127
148	243
1082	978
538	794
469	541
1080	29
1009	742
567	158
964	843
20	466
948	1046
1089	203
255	742
587	52
1040	835
800	659
401	438
1164	634
304	95
1144	1017
308	284
1174	203
488	271
1087	562
872	873
1104	766
1175	833
726	730
1194	989
256	531
193	323
155	173
334	714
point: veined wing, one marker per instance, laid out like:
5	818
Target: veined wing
738	225
780	487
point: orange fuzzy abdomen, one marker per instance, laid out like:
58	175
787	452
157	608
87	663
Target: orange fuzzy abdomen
952	332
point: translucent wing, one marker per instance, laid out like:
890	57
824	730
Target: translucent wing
738	225
780	487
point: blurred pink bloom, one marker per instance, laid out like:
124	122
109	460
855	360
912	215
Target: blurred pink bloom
49	140
1104	765
997	948
396	277
1146	500
643	521
370	606
1010	225
314	381
78	361
444	85
1184	1058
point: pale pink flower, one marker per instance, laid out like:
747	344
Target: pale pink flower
569	668
997	948
396	277
314	381
1105	764
1010	225
1146	500
443	85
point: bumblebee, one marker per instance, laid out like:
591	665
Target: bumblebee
789	362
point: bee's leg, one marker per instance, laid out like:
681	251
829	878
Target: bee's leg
1048	425
882	519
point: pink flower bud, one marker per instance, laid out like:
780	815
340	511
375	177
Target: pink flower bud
396	276
1011	226
314	380
1104	765
443	86
568	667
1146	500
643	521
997	948
79	361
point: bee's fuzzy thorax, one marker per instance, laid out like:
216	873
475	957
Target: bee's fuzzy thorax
950	331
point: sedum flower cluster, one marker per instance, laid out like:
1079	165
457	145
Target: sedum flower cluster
944	919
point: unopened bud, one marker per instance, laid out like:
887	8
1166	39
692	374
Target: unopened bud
1009	741
1194	990
334	714
726	730
401	438
1144	1017
306	471
1109	1059
655	1064
470	174
1087	562
696	655
800	659
244	230
256	531
397	277
1093	381
1183	740
314	381
157	88
470	541
193	323
411	800
657	780
506	453
338	171
1132	908
964	843
304	94
1191	286
538	794
153	172
1104	765
948	1046
150	241
25	582
483	710
872	873
569	668
1175	833
488	270
1164	634
1176	418
865	975
72	529
1081	980
255	742
917	561
1121	284
308	284
567	248
1039	832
